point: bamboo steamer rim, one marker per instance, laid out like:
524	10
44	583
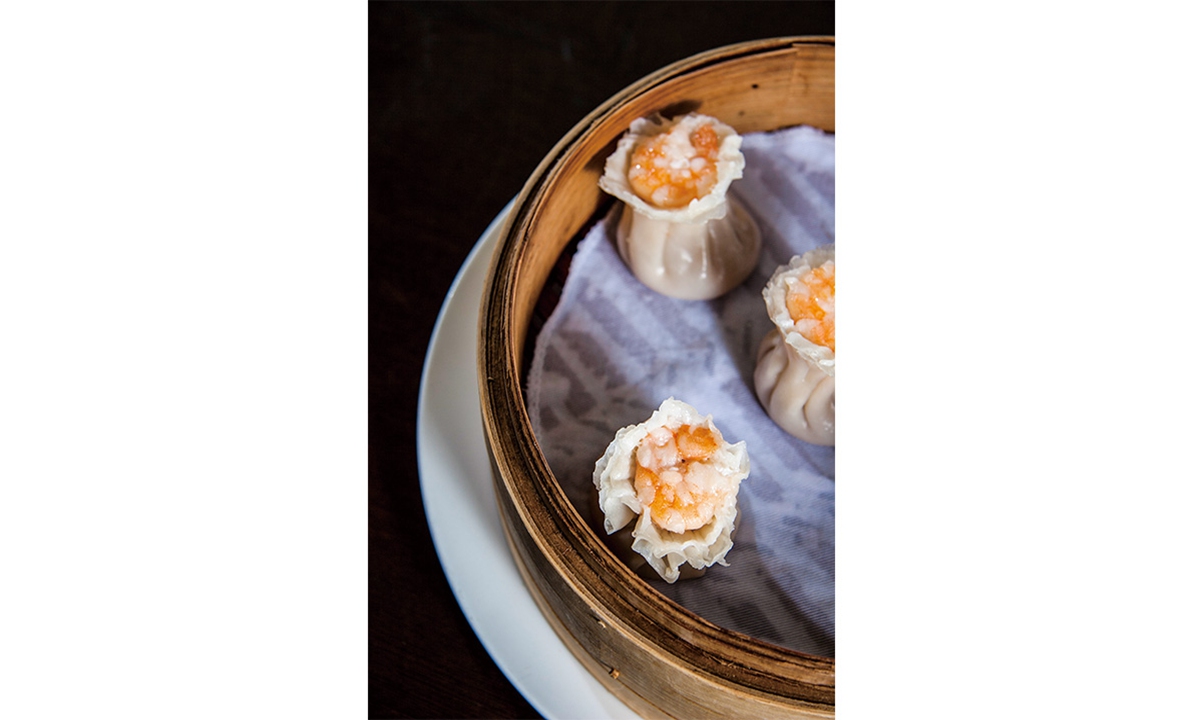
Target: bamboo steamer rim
561	559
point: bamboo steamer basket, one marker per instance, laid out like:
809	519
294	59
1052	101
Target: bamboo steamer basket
659	658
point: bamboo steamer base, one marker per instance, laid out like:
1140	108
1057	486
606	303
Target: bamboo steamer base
660	659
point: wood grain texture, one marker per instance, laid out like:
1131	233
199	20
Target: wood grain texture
662	659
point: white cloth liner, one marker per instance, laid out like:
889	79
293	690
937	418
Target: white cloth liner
613	350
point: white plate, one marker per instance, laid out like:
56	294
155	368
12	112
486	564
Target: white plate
460	504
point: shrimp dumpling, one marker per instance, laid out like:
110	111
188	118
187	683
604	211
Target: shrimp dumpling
680	233
794	377
676	479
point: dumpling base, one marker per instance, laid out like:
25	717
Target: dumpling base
795	391
690	261
621	545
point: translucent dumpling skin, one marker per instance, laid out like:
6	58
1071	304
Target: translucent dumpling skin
690	261
676	479
794	391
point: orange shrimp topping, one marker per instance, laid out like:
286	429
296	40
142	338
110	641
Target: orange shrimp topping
674	479
810	303
669	170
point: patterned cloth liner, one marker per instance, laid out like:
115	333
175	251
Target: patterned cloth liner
613	350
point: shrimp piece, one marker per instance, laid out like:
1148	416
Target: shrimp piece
674	479
671	169
810	302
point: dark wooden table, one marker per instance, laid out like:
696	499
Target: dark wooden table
464	101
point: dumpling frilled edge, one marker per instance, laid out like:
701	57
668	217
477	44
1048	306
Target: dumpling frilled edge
775	296
711	206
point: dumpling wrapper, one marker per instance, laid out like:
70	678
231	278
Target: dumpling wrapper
663	550
696	252
794	377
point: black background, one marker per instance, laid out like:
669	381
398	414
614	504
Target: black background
464	101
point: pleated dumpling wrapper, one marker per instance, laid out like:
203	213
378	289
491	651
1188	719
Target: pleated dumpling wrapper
681	233
678	478
794	375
